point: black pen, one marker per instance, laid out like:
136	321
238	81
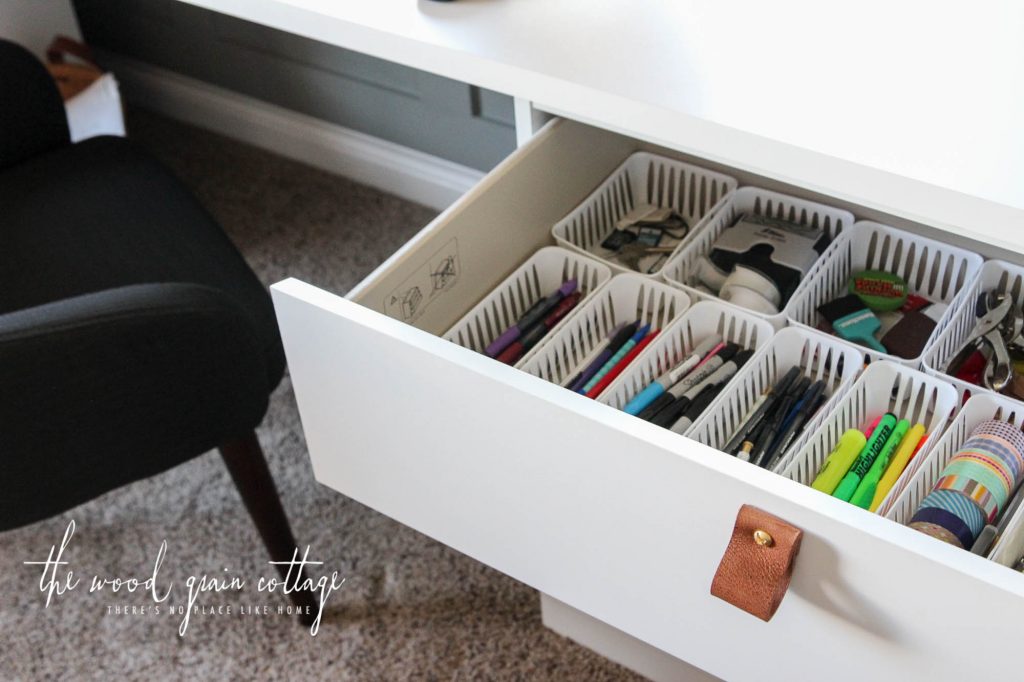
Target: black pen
763	406
778	418
802	412
668	416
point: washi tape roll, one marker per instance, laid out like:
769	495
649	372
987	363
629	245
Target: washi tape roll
996	449
972	490
936	531
933	516
985	472
955	503
1004	430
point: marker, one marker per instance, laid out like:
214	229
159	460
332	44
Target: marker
899	463
760	408
848	486
666	380
839	461
618	338
621	365
532	316
614	360
721	376
537	332
715	359
865	493
697	407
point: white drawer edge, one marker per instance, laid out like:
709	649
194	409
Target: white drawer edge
834	510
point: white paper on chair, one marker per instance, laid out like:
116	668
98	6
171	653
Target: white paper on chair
96	110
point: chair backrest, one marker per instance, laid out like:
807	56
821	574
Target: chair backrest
32	116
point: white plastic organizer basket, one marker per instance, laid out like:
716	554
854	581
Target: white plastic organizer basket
882	387
681	269
939	272
642	178
543	273
818	357
675	342
624	299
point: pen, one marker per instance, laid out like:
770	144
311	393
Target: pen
760	453
621	365
865	492
532	316
666	380
718	357
760	408
801	412
614	360
537	332
899	463
618	339
848	485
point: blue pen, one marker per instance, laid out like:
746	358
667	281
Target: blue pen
619	354
669	378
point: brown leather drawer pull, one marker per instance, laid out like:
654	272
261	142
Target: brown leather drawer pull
754	572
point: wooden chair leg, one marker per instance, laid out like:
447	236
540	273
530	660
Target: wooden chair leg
244	459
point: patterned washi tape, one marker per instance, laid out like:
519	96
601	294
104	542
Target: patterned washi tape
1004	430
933	516
973	491
936	531
956	503
996	449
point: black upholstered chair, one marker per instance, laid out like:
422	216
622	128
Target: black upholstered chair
133	336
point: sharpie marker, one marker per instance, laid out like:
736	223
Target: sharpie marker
666	380
614	360
701	372
620	337
721	376
532	316
696	408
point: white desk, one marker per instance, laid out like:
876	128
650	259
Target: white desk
913	109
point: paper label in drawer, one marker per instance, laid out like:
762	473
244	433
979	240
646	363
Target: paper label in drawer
440	273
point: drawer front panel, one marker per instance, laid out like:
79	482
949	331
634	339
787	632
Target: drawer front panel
623	520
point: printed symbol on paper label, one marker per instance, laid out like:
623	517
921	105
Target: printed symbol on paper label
433	278
445	273
411	302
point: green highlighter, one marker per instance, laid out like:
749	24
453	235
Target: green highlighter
839	461
869	484
848	486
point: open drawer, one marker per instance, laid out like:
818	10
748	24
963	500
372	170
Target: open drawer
618	518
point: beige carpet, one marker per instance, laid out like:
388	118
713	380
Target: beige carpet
410	608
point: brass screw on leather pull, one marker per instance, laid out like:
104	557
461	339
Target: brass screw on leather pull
763	538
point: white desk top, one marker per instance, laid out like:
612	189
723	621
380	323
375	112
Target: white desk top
912	108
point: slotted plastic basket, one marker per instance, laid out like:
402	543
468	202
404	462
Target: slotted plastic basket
882	387
642	178
939	272
542	274
681	269
625	299
674	343
1005	278
816	355
922	473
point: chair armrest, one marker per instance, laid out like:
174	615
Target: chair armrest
32	116
111	387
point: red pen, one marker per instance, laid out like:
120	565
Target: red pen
528	340
623	363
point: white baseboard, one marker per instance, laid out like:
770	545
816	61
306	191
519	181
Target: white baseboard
390	167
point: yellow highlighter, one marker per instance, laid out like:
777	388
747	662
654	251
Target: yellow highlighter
899	462
839	461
